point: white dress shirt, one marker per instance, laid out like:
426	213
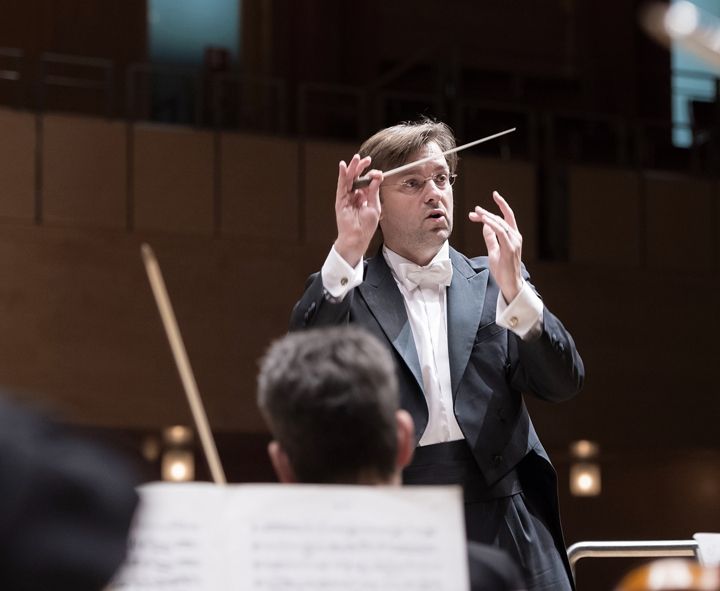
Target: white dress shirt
427	313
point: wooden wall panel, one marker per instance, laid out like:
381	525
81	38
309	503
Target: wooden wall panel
605	216
515	181
649	354
320	166
680	220
82	335
173	179
84	171
260	187
17	165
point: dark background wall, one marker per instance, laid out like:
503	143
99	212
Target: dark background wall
114	30
571	54
111	29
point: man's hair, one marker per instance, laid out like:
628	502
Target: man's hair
329	397
392	146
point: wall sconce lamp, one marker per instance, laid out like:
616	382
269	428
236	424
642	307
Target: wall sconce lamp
178	460
585	476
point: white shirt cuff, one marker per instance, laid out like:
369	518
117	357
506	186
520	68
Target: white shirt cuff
338	277
523	316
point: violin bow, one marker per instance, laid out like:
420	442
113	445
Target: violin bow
152	268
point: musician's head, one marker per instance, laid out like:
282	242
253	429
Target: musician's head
417	204
330	399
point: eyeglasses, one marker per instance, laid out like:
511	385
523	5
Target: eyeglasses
413	185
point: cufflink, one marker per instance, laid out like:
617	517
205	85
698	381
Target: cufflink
344	281
513	321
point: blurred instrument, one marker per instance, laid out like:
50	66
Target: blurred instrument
671	574
182	362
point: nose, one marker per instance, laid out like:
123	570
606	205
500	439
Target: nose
432	192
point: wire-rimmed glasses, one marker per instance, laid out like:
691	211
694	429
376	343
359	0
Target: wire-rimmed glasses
413	185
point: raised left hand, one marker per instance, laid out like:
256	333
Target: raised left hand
504	244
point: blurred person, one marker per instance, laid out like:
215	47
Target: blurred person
330	399
469	336
65	506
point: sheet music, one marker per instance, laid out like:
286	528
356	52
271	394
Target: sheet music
174	543
297	538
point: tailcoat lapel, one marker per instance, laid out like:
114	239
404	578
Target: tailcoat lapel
386	304
465	299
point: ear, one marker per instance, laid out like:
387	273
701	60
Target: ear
406	438
281	463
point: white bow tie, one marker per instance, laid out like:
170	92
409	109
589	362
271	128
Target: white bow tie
432	275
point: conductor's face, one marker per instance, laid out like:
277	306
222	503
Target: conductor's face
417	207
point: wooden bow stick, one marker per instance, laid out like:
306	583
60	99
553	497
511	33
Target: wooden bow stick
183	364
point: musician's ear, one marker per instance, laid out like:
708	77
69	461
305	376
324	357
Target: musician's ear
281	463
406	438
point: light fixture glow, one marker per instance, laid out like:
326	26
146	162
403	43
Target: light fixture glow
584	449
585	479
177	435
178	466
178	471
681	19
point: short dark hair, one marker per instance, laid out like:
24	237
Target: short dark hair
329	397
392	146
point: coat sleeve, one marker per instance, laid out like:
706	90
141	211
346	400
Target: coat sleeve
314	309
549	365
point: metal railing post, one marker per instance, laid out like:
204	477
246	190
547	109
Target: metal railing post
630	549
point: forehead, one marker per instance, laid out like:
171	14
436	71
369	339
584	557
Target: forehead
429	149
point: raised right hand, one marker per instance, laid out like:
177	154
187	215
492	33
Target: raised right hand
357	211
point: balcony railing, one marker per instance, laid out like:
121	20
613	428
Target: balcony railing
231	100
